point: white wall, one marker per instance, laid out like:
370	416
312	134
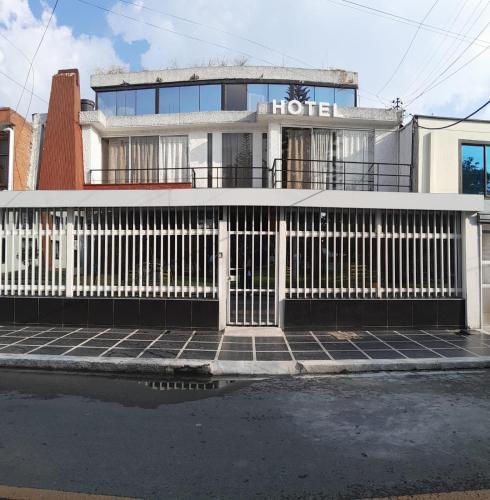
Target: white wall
438	156
471	268
92	154
198	156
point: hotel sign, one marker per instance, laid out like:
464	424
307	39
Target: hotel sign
308	108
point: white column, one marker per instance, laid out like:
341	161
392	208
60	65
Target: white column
10	179
223	271
274	149
217	159
470	268
198	157
281	268
69	247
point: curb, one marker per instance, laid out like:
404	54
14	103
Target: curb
198	367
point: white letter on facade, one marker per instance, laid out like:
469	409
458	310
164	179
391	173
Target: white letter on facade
324	109
311	106
281	107
295	107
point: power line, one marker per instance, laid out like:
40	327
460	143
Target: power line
219	30
20	85
404	20
458	121
35	54
450	75
408	48
191	37
444	59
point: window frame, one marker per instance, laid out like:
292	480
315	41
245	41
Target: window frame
484	145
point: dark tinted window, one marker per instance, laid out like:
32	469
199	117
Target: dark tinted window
106	102
125	102
473	166
325	94
345	97
278	92
210	97
169	100
237	160
235	97
189	99
257	92
145	102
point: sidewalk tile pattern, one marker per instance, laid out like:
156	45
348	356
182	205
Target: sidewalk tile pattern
211	345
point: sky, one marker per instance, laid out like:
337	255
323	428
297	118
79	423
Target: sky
410	53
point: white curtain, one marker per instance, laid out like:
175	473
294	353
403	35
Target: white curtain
322	154
144	159
116	159
356	152
174	164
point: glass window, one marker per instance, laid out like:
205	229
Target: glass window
325	94
116	160
473	164
169	100
189	98
487	162
345	97
235	97
106	102
278	92
257	92
210	97
125	102
237	160
145	102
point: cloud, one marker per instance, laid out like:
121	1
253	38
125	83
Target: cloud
325	33
60	49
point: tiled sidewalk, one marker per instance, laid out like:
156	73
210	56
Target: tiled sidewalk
211	345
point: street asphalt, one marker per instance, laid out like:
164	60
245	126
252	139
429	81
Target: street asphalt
343	436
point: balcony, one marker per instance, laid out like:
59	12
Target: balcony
291	173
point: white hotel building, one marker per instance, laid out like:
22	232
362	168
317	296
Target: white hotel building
211	196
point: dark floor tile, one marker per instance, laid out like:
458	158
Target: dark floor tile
85	351
310	355
300	338
454	353
103	336
123	353
339	346
207	338
347	355
370	344
175	338
134	344
304	346
433	343
17	349
159	344
160	353
268	340
385	354
235	356
208	355
270	347
100	343
67	342
236	338
203	346
400	344
273	356
145	336
481	351
419	353
33	341
50	351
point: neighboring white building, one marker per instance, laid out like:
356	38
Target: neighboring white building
258	196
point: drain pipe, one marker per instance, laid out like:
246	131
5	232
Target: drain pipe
11	132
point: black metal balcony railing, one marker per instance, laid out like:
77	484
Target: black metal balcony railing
285	173
142	176
341	175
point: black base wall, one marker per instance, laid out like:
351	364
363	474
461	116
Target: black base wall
402	313
158	313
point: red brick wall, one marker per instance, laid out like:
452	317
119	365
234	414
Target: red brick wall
62	163
22	146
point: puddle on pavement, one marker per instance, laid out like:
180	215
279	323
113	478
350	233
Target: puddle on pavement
139	391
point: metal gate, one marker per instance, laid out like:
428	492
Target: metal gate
252	265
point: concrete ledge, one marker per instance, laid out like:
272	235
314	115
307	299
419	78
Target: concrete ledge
170	366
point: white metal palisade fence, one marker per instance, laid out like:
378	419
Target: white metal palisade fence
117	252
364	253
